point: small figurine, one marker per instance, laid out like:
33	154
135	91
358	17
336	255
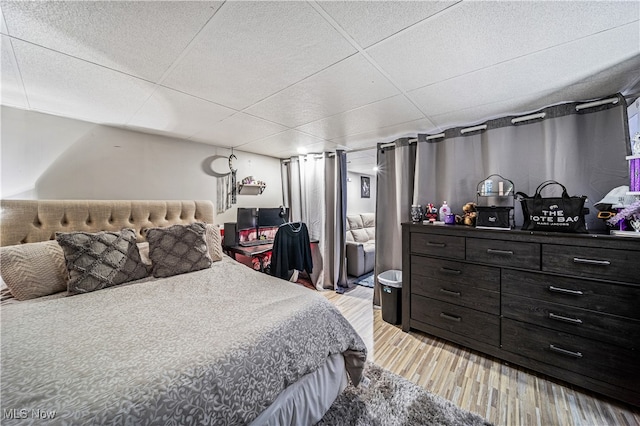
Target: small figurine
431	213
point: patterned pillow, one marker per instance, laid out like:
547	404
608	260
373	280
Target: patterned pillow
33	270
214	242
178	249
100	260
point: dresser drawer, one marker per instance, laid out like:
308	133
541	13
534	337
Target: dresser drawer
457	293
504	253
438	245
611	264
456	319
485	277
620	300
602	361
619	331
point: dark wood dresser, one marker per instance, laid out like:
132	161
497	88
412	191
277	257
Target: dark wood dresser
566	305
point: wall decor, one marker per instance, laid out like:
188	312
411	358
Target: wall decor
365	187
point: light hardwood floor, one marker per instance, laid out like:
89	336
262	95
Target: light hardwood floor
503	394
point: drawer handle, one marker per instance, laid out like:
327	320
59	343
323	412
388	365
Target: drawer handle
565	352
450	292
450	271
591	261
429	243
565	319
565	291
496	251
450	317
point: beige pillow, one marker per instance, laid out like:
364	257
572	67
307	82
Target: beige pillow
33	270
178	249
214	242
143	249
101	259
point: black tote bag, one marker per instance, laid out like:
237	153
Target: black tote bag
553	214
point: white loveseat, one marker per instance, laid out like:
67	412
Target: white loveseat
361	243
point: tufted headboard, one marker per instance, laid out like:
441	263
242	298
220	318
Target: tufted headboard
29	221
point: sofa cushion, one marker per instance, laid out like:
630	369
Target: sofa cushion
371	232
368	220
354	221
360	235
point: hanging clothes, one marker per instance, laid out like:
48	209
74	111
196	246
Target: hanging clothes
291	250
223	194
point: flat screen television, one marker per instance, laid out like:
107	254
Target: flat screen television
247	218
270	217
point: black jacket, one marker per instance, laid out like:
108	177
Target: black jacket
291	250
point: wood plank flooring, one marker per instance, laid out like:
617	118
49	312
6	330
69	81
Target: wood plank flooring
503	394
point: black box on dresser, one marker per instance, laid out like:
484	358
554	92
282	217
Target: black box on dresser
566	305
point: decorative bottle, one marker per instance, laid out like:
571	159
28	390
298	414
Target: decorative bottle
444	210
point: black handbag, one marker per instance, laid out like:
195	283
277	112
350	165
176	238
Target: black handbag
553	214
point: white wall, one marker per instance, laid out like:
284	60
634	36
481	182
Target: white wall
49	157
355	204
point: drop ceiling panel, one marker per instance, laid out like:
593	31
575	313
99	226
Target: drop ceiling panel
251	50
135	37
3	25
178	114
385	134
472	35
12	89
323	146
237	130
551	69
380	114
288	141
349	84
67	86
368	22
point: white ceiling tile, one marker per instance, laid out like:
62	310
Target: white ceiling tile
74	88
135	37
551	69
473	35
349	84
251	50
319	147
178	114
380	114
237	130
288	141
12	92
386	134
3	24
368	22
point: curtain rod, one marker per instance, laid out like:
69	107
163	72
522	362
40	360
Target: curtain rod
597	103
473	129
390	144
540	115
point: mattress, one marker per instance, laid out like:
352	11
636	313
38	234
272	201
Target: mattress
216	346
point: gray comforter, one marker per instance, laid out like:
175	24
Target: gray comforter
210	347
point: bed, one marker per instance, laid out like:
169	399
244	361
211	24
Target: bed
219	345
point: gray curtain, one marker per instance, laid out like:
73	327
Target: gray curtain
585	151
314	189
303	194
395	177
335	271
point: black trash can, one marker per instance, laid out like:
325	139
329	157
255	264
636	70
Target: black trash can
391	296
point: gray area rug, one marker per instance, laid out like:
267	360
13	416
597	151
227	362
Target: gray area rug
392	400
365	280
